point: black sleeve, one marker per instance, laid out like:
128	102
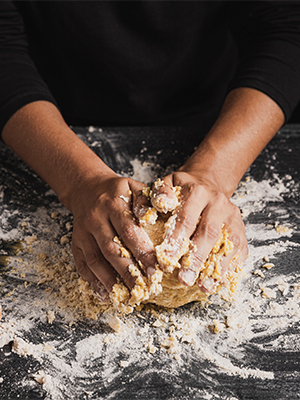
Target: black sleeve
20	82
268	37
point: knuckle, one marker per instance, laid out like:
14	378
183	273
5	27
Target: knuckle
236	213
236	240
108	248
109	283
221	200
147	258
74	247
82	268
211	231
244	249
243	245
92	259
140	205
187	221
111	204
128	229
128	278
198	260
236	210
109	201
195	189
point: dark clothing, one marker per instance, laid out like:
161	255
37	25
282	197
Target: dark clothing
146	62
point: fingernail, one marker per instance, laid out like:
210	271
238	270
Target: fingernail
187	277
207	285
150	271
164	203
100	291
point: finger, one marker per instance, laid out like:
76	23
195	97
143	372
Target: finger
209	284
142	208
86	274
193	199
100	291
237	256
205	237
164	197
81	265
181	226
94	261
135	239
116	255
232	258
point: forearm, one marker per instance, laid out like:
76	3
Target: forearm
248	121
40	136
89	189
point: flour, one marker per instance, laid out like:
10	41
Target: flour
216	336
145	172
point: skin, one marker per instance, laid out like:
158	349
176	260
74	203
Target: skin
91	190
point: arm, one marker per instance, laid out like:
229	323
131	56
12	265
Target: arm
262	95
88	188
37	132
248	121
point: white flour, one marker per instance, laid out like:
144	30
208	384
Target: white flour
164	342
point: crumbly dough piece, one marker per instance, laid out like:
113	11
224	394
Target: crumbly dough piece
164	288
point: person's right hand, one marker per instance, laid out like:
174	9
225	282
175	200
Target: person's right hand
101	212
95	195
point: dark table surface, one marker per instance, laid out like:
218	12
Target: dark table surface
254	356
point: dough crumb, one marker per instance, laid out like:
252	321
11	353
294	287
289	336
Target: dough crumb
50	316
150	346
30	239
172	345
124	364
163	287
116	324
69	226
55	215
21	347
259	273
268	265
126	199
64	239
217	327
42	378
281	229
268	292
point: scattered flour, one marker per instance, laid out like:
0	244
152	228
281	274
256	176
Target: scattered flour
143	171
216	336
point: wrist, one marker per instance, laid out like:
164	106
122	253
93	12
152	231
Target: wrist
247	122
208	165
40	136
84	180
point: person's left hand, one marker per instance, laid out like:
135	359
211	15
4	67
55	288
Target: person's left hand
203	210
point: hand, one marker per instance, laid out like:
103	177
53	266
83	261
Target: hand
103	211
203	211
96	196
39	135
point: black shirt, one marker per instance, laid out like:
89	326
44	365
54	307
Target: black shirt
146	62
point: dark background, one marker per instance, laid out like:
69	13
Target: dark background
295	118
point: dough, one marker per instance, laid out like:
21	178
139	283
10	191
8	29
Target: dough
164	288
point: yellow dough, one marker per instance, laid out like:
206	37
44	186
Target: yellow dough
163	288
